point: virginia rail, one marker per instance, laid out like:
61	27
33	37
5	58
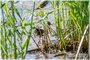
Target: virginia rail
39	32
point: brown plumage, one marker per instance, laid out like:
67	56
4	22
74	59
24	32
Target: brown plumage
39	32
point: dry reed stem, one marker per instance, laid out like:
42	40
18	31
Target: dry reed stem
82	39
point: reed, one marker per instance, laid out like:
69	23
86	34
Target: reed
71	19
9	36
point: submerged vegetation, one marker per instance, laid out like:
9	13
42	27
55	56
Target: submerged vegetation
71	26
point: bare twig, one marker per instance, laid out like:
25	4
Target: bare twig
35	42
81	42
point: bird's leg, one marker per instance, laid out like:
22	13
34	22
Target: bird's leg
39	41
42	47
41	44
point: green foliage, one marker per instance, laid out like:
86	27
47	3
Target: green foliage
77	18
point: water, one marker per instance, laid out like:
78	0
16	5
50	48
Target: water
27	17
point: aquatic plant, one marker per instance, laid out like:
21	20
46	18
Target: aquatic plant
70	17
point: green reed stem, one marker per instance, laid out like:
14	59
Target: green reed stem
3	43
30	30
14	28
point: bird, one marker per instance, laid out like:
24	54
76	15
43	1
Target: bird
42	5
39	32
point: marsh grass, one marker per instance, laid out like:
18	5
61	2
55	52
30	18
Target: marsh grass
70	25
9	36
